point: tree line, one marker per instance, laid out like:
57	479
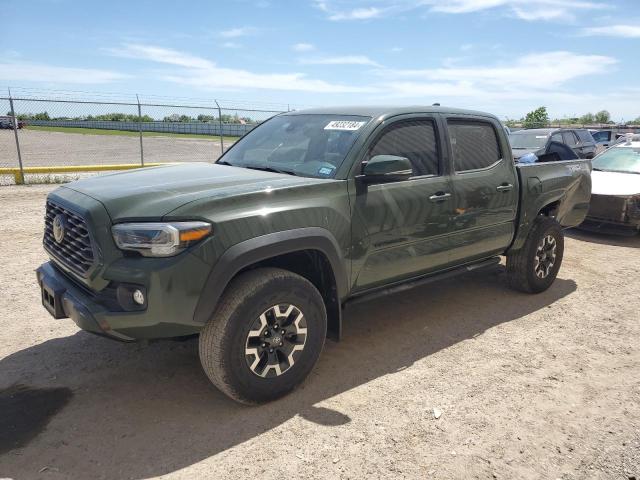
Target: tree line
540	118
128	117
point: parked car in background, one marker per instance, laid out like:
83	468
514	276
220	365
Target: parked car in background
615	198
537	141
6	121
605	138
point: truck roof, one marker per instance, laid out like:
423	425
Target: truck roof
386	111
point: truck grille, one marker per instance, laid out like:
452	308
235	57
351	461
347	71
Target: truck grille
74	248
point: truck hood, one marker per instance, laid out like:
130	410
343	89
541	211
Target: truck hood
156	191
615	183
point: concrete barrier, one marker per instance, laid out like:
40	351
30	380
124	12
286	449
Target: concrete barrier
194	128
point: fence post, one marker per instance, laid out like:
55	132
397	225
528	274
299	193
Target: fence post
19	179
140	130
220	126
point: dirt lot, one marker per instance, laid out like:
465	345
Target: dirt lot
544	386
40	148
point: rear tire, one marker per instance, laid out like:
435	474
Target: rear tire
242	353
534	267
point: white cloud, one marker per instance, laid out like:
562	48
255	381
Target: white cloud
538	74
303	47
550	78
238	32
529	10
160	55
340	60
624	31
39	72
356	14
203	73
231	45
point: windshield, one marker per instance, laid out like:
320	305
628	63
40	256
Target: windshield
618	159
303	145
531	141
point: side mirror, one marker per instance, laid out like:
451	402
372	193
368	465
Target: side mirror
385	169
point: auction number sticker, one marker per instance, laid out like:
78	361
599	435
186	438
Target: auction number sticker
348	125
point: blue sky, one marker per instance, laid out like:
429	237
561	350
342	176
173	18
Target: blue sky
503	56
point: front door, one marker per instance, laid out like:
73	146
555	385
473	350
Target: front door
400	229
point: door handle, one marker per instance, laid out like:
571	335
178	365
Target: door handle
439	197
504	188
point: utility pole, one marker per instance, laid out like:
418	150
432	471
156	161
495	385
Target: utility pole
140	130
220	126
19	180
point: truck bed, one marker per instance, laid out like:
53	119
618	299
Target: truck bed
563	188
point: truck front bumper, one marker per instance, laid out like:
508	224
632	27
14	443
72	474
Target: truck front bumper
167	312
63	299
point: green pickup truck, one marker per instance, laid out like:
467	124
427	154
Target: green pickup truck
261	252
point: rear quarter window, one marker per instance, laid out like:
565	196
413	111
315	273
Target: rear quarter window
474	144
585	136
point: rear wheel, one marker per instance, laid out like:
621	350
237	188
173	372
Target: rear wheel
534	267
265	336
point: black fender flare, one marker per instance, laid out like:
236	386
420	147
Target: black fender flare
260	248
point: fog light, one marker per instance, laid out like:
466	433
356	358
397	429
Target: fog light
138	297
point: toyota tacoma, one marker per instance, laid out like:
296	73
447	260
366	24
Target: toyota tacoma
260	252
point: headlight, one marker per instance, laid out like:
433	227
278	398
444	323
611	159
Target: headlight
159	239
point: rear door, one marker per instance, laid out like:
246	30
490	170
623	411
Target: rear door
586	143
399	229
571	140
485	189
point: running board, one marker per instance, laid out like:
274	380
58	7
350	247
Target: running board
420	281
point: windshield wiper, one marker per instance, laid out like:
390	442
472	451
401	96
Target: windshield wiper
270	169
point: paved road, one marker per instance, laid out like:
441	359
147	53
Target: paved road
40	148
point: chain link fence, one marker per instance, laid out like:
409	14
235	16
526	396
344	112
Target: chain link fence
46	139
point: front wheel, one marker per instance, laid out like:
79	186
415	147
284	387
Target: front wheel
534	267
265	336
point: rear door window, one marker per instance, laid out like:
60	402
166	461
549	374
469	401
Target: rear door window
584	136
569	138
474	144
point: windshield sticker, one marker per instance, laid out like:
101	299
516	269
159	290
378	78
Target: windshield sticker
325	171
541	136
347	125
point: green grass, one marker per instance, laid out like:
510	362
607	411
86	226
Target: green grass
123	133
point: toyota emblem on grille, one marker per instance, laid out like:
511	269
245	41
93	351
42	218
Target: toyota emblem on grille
59	223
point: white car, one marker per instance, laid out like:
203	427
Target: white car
615	193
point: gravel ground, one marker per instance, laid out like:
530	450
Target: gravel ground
528	386
40	148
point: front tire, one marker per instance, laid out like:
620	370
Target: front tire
265	336
534	267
